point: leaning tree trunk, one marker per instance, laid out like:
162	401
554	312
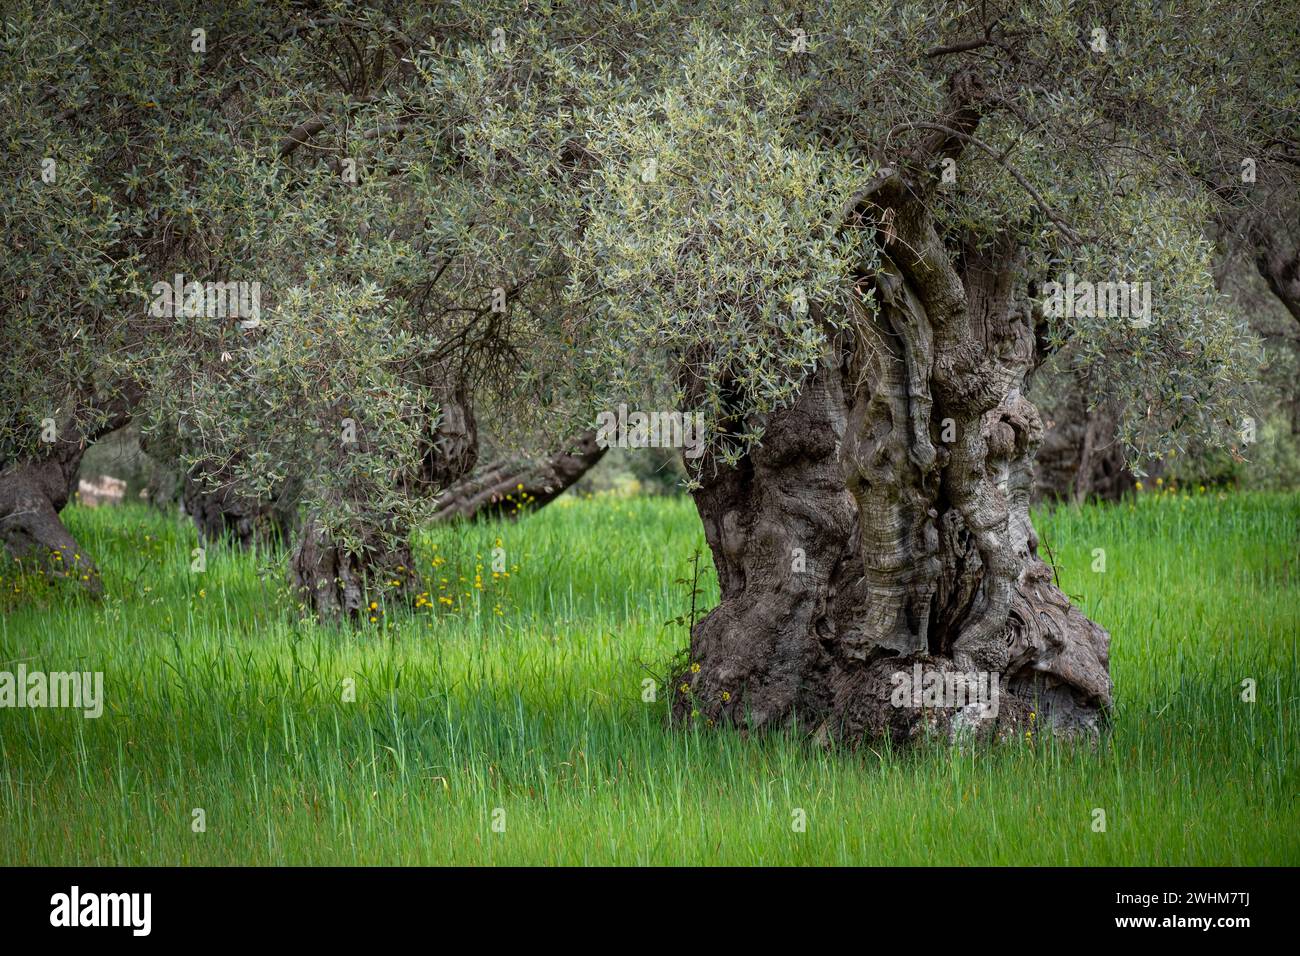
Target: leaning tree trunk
337	581
519	485
1278	262
881	530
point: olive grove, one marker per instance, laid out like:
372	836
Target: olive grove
837	233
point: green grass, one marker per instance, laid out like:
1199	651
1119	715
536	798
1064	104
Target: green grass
218	697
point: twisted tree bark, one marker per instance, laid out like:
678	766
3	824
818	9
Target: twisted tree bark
336	582
881	533
780	526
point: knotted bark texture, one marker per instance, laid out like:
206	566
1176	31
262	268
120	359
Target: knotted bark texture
883	524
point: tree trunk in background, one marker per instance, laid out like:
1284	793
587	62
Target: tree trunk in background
884	523
1279	263
337	582
209	493
515	486
221	513
1080	458
33	492
31	496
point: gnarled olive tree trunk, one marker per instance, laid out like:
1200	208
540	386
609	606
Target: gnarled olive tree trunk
336	581
881	530
781	526
33	491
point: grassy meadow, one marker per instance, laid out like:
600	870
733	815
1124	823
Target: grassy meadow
517	699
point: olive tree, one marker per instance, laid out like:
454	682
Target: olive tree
110	120
844	247
400	281
257	151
